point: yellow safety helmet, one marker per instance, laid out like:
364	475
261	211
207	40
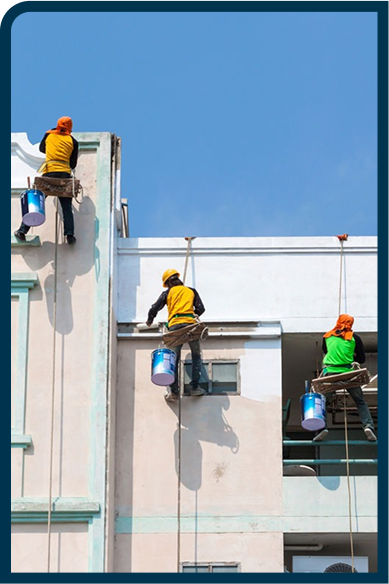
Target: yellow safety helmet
167	274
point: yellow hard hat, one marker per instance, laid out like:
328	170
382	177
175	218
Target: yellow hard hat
167	274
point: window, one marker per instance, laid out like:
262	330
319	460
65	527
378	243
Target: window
216	568
217	377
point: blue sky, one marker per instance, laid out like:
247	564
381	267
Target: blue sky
232	124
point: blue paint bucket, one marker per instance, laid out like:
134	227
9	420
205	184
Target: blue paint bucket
163	366
313	411
33	207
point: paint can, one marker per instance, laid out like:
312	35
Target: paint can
313	411
33	207
163	366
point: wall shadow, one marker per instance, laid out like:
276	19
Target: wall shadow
72	261
202	419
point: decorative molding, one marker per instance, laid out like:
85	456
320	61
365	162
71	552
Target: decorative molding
20	440
245	246
24	280
31	241
64	510
21	283
232	329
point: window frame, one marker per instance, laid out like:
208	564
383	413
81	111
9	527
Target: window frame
210	566
208	363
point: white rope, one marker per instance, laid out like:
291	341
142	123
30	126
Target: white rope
189	240
348	483
52	389
340	277
345	418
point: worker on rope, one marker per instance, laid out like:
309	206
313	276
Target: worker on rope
61	151
183	305
342	347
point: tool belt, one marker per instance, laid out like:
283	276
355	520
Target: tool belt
191	332
58	187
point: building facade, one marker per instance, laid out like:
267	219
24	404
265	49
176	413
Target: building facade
143	485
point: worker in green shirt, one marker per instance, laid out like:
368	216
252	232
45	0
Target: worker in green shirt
342	347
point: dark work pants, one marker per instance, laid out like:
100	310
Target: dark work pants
196	359
66	204
362	407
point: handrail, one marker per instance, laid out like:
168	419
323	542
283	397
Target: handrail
328	443
320	461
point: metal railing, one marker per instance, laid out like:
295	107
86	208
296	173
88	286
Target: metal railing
322	461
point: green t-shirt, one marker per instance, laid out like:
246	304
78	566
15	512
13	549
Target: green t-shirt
339	356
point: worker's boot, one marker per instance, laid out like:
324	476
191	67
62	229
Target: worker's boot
196	391
171	395
321	435
20	235
370	434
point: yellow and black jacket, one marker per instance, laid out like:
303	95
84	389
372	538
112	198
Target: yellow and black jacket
61	153
183	304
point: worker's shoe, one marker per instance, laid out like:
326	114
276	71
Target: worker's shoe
71	239
20	235
370	434
196	391
171	395
319	437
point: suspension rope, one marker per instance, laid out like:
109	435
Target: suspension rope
348	482
53	388
343	238
189	240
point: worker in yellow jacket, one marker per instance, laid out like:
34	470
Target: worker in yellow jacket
61	151
183	304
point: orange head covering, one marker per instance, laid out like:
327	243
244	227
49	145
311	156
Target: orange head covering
64	126
343	328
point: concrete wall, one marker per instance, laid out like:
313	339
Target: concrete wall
230	452
233	501
81	279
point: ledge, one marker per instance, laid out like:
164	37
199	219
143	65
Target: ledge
20	440
232	329
31	241
64	510
24	280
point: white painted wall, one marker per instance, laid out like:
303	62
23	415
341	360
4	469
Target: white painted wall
294	280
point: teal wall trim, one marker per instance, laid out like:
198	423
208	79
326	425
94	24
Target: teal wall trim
24	280
199	524
20	286
31	241
101	143
20	440
64	510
